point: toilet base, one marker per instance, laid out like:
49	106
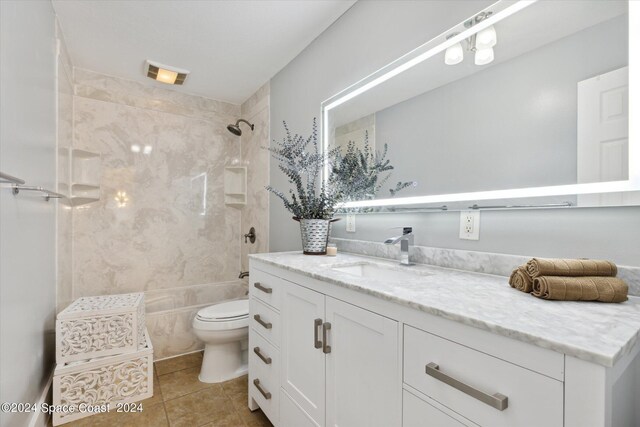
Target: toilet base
224	362
244	370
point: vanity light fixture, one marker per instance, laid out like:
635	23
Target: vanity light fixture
483	56
454	54
486	38
481	43
165	73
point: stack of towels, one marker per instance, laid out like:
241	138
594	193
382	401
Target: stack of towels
570	280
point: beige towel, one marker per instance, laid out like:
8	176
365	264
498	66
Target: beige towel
604	289
521	280
571	267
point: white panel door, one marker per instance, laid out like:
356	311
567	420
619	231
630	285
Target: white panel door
363	368
303	362
603	135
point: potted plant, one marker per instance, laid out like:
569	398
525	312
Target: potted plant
353	175
311	202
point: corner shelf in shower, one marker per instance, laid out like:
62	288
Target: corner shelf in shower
235	186
85	177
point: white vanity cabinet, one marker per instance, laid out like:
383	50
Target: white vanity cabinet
264	343
339	363
327	354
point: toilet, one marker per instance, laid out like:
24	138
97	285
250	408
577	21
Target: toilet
224	329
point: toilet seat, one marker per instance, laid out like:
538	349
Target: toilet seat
223	316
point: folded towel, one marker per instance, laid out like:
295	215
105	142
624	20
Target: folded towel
604	289
571	267
521	280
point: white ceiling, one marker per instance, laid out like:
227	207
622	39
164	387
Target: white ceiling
231	47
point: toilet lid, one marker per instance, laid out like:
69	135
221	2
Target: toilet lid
231	310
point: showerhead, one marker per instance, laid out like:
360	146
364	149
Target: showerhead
235	129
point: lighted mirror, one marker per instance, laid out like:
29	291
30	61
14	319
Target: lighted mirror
522	104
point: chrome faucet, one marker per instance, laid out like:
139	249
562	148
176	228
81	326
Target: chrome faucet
406	241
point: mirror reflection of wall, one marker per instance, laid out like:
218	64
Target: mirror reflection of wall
357	131
517	122
508	126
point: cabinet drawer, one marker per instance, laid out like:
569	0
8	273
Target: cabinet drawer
418	413
266	287
264	357
265	390
468	382
265	320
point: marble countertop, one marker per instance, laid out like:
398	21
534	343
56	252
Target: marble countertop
596	332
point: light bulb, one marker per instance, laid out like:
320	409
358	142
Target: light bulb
486	38
135	148
167	76
453	54
484	56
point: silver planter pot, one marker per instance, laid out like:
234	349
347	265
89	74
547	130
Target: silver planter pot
315	234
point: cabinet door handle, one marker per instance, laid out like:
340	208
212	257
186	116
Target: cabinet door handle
316	325
497	400
326	326
264	358
262	391
266	325
263	288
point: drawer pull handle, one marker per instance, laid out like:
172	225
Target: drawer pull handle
498	401
262	391
264	289
266	325
326	326
316	326
265	359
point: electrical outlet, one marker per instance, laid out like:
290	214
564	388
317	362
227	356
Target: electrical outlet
470	225
351	223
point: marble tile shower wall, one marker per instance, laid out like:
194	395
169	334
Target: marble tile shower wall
173	238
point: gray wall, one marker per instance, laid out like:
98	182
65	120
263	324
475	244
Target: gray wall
512	125
367	37
27	222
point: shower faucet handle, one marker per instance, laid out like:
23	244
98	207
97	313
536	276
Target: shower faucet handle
251	235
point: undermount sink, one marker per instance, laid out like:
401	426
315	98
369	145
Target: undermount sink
380	271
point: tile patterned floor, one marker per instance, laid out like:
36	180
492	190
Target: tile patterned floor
181	400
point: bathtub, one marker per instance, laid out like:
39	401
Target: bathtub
169	313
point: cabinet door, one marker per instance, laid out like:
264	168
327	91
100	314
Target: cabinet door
291	415
303	366
363	370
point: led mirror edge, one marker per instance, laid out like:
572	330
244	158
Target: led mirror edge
500	10
507	8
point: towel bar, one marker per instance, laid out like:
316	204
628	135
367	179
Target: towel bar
48	194
6	178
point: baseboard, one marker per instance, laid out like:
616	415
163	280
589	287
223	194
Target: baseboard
39	419
179	355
